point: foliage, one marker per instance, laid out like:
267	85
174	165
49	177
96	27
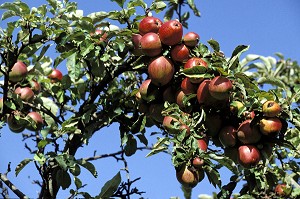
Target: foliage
101	85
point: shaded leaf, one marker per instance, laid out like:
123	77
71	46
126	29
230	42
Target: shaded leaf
63	179
214	44
21	165
89	166
110	186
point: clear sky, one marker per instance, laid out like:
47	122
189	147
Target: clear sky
267	26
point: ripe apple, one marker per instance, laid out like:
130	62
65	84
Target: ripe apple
35	86
37	119
18	72
171	32
220	87
186	128
188	87
14	124
136	38
148	91
191	39
195	61
271	108
203	143
270	125
26	93
213	124
189	177
102	33
227	136
55	76
248	156
247	133
203	95
180	53
169	124
179	96
149	24
282	190
198	162
150	44
161	71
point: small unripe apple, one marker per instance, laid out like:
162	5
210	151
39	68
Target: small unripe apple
55	75
247	133
37	119
18	72
171	32
161	71
149	24
270	125
271	108
236	107
227	136
26	93
191	39
248	156
220	87
180	53
150	44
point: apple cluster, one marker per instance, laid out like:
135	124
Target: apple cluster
243	134
22	91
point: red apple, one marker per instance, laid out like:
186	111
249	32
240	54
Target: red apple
180	53
179	96
102	33
171	32
248	156
136	38
188	87
148	91
26	93
198	162
150	44
247	133
203	95
55	76
271	108
169	123
227	136
220	87
35	86
149	24
203	143
186	128
18	72
191	39
37	119
195	61
161	71
282	190
270	125
189	177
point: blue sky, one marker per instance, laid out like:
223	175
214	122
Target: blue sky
267	26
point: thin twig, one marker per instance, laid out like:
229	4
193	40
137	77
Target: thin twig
12	187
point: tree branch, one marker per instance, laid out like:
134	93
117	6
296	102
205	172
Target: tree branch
8	183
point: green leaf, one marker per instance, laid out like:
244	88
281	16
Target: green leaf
247	81
89	166
159	146
234	60
136	3
78	183
195	72
110	187
131	145
21	165
214	44
192	5
60	159
119	2
271	80
7	14
42	144
63	179
40	158
158	6
213	176
98	16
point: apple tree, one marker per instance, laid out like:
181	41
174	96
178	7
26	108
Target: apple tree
130	67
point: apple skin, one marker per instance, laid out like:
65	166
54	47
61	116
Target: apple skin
35	86
203	143
271	108
282	190
161	71
236	107
103	34
37	119
228	136
188	87
168	123
150	44
55	76
149	24
247	133
26	93
220	87
203	95
186	128
270	125
179	96
197	162
136	38
171	32
248	156
180	53
148	91
189	177
191	39
18	72
195	61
